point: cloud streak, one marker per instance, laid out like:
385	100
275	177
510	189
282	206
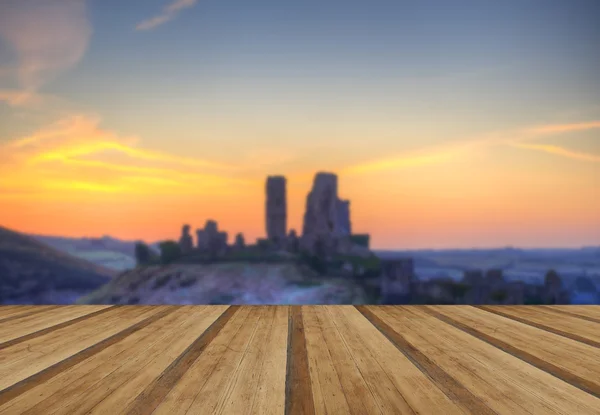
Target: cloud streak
169	13
75	154
411	159
517	139
563	128
20	98
560	151
47	37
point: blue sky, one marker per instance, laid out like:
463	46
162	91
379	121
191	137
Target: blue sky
520	61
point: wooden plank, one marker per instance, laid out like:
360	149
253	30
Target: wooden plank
38	322
50	329
34	318
202	389
571	327
571	361
9	308
590	313
327	388
269	398
59	381
212	398
110	389
505	383
584	310
394	382
11	313
241	391
298	395
25	359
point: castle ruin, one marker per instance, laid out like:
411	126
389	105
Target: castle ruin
326	226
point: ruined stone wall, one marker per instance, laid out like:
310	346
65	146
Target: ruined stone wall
240	241
210	239
397	280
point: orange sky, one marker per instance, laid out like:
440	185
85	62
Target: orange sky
76	179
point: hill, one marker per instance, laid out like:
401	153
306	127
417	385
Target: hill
227	283
32	272
106	251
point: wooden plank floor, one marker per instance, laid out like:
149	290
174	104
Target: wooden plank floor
299	360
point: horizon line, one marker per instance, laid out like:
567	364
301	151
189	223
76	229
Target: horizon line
396	249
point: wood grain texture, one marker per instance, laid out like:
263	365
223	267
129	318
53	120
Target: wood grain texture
154	393
209	373
8	313
592	311
9	308
299	398
395	384
501	381
38	324
451	386
571	361
25	359
151	372
299	360
568	326
572	311
74	372
269	397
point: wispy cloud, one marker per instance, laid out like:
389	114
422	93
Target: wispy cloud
409	159
96	147
563	128
48	37
448	152
20	98
560	151
168	14
77	154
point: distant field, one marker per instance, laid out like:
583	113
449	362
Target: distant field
108	252
526	265
109	259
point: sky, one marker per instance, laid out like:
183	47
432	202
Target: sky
451	124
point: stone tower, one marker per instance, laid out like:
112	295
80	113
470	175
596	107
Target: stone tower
185	241
326	218
276	209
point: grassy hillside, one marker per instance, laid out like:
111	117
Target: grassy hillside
34	273
227	283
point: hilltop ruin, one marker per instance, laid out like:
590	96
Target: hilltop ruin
326	229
